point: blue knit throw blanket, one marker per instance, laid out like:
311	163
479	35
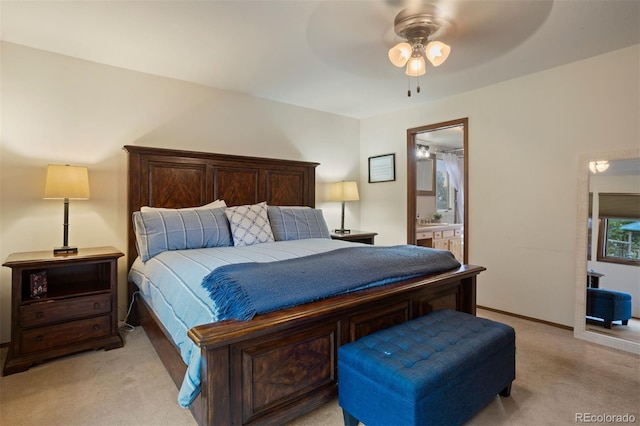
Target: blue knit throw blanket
243	290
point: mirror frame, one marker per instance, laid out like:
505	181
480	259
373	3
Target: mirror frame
411	179
579	325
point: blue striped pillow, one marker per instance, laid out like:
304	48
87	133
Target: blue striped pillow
163	230
296	223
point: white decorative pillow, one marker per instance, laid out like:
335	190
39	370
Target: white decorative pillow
217	204
249	224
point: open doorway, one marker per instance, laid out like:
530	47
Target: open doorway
438	187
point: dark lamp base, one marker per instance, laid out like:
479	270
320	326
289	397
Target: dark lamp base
65	250
342	231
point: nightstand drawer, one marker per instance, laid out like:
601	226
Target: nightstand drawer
42	338
50	311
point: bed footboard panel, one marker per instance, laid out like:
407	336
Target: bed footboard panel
267	384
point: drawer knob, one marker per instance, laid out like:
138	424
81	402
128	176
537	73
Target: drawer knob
96	327
96	305
39	314
39	338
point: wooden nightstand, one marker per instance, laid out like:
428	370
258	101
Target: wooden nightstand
78	312
356	236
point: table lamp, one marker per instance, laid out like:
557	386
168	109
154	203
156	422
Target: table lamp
343	191
66	183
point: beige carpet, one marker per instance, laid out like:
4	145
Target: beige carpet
557	378
630	332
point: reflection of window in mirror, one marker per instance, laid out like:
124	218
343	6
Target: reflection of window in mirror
425	177
619	229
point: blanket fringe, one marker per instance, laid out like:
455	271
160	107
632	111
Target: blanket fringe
230	298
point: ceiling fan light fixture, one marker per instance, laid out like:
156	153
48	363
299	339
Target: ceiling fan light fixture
400	54
437	52
416	66
421	26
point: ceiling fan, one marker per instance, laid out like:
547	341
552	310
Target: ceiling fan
422	28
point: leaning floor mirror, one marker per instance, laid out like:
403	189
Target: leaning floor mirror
607	292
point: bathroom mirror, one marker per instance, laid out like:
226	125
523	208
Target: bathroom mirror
624	172
426	177
447	146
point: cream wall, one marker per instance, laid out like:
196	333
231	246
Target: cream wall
525	138
56	109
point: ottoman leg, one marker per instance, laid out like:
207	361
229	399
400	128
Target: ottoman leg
349	420
625	322
607	324
506	391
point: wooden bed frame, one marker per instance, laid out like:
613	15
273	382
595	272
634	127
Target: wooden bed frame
280	365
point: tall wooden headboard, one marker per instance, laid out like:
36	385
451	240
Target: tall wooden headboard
175	179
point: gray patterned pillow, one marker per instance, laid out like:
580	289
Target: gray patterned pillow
249	224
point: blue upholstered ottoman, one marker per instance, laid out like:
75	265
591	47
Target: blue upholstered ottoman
609	305
439	369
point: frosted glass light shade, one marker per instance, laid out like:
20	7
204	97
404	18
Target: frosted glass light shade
598	166
416	66
437	52
70	182
343	191
400	54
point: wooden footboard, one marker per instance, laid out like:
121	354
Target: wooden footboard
282	365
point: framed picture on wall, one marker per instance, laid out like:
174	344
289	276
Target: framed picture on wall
382	168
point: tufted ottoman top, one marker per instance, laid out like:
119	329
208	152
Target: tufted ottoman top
601	293
417	356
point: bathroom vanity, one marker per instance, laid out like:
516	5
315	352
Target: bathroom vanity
441	236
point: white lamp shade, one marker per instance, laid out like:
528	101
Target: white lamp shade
400	54
66	181
344	191
437	52
416	66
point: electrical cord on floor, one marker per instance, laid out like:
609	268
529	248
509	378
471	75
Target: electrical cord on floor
125	324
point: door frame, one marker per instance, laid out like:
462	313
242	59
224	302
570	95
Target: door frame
411	178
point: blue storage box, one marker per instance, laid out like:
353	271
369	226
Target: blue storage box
609	305
439	369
